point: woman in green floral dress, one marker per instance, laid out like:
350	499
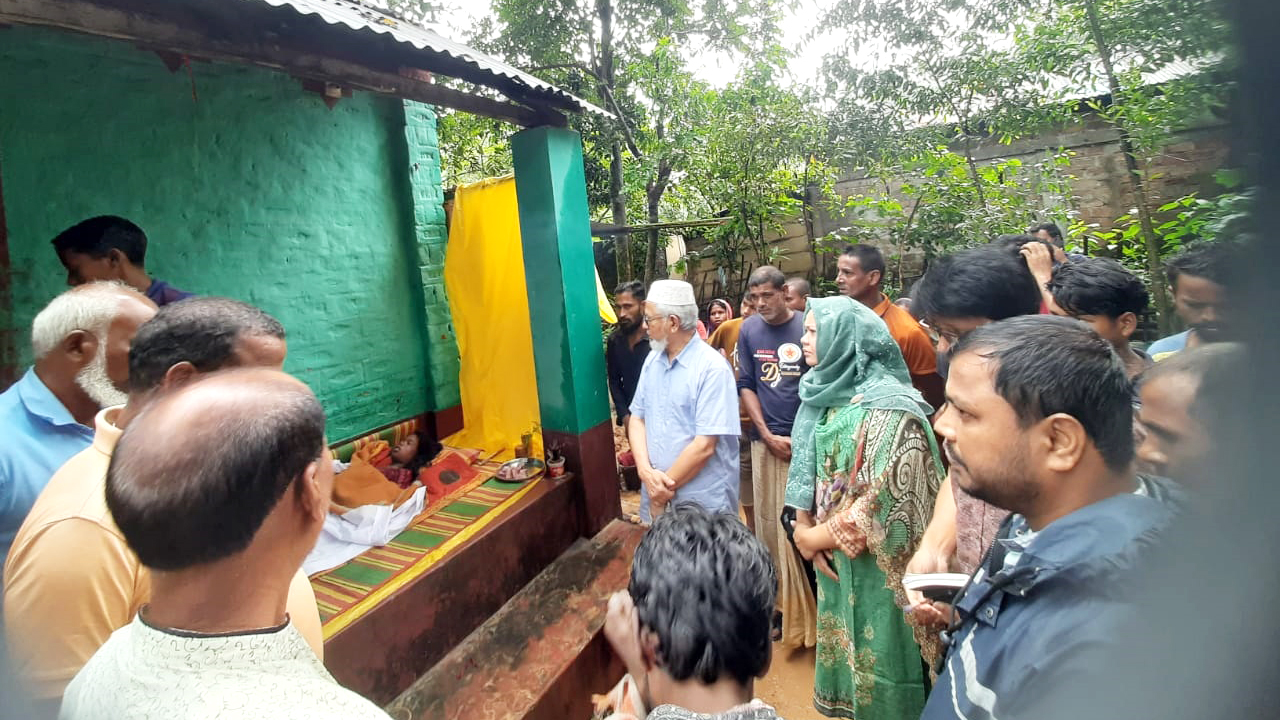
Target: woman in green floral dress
864	473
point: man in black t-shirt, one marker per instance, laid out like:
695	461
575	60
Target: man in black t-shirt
627	348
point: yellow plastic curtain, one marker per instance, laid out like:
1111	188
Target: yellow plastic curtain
484	279
602	300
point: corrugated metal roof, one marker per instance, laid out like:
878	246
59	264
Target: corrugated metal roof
364	19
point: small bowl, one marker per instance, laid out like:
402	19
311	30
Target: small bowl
520	470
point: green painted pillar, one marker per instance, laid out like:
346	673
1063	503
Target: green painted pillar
555	227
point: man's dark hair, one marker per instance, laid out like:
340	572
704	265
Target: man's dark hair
983	282
767	275
1098	286
1048	364
1052	228
800	285
98	236
1211	261
706	587
1199	363
203	498
1013	243
869	257
200	330
634	288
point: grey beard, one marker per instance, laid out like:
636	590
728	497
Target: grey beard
659	345
94	382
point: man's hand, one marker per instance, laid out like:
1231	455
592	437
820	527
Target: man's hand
657	483
930	614
622	630
1039	260
778	445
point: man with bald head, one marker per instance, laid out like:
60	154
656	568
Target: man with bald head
80	341
221	488
71	580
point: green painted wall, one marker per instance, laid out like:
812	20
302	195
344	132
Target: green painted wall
253	190
555	227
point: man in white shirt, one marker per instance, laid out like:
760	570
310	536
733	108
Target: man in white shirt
221	489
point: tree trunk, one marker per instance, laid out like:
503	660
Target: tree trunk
618	202
1154	267
617	196
655	266
973	170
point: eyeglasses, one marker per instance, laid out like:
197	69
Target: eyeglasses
654	319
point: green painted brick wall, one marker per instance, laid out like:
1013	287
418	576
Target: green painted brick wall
328	219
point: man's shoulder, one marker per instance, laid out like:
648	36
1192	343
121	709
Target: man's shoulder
1173	343
75	492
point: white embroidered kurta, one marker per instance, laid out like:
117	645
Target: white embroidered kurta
142	673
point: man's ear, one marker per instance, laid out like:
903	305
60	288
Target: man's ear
1128	323
1067	441
117	258
80	346
178	375
315	502
877	277
649	648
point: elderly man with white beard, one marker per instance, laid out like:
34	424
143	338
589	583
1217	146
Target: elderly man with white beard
684	417
81	345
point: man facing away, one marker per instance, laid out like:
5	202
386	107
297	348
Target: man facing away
959	293
693	626
627	348
860	275
71	579
725	340
1198	277
221	488
111	248
1101	292
81	345
684	417
770	366
1038	422
797	293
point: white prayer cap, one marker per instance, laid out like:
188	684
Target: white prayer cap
671	292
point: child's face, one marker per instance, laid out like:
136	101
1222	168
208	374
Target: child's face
405	450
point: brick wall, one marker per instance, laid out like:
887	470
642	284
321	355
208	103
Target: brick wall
1099	186
253	190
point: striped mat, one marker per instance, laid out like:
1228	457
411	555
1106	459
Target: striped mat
348	591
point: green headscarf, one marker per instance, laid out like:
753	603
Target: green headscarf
858	363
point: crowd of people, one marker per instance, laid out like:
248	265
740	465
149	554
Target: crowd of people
996	432
164	480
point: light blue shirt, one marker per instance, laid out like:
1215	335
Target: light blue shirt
39	436
694	394
1172	344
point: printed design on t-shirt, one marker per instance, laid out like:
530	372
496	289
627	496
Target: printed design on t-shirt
775	366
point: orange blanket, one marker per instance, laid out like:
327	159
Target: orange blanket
364	484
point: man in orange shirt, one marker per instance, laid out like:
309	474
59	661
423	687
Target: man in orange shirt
859	274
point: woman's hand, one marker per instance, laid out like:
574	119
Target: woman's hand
814	539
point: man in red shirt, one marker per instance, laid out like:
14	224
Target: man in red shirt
859	275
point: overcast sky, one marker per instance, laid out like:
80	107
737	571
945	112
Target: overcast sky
460	16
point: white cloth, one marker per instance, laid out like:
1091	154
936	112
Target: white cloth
142	673
346	536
